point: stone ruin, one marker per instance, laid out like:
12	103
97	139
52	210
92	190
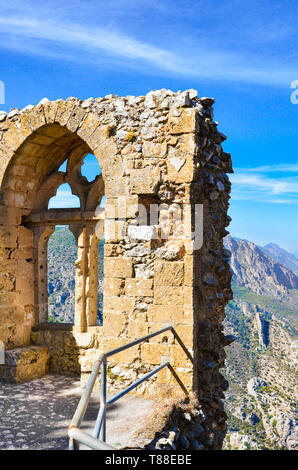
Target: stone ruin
162	150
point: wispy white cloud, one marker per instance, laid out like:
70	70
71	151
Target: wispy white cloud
53	36
257	186
278	168
264	183
82	37
283	201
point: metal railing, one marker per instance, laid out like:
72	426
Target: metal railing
98	440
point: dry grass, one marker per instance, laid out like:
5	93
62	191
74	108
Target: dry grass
166	415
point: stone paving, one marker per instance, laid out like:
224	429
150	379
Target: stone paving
35	415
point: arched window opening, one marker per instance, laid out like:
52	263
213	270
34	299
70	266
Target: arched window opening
63	167
62	254
90	168
64	198
103	202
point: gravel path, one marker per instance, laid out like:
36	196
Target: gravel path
36	415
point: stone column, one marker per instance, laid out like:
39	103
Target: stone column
81	236
41	238
92	279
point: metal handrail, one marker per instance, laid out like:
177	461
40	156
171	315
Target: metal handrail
97	441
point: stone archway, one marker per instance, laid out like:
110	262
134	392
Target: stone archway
31	179
163	149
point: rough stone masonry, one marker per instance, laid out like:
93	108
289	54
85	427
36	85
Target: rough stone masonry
160	150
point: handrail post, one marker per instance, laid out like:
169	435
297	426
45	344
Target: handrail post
75	434
73	444
103	398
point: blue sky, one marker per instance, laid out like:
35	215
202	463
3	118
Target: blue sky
242	53
64	197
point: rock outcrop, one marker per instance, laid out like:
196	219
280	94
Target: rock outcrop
258	272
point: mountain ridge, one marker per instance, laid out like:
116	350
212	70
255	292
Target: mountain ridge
282	256
257	271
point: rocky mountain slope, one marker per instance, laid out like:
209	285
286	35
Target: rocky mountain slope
261	365
258	272
261	368
281	256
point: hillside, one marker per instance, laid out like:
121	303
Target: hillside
261	365
261	368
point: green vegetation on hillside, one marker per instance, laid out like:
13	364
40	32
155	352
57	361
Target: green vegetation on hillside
284	308
248	358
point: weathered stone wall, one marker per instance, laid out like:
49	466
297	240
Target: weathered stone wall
24	364
62	348
163	148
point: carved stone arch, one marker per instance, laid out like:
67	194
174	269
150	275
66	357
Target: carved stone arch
47	190
52	120
90	193
35	144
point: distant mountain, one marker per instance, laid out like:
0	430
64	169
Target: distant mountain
255	270
281	256
261	365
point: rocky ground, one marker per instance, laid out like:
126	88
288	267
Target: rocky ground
180	425
36	415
